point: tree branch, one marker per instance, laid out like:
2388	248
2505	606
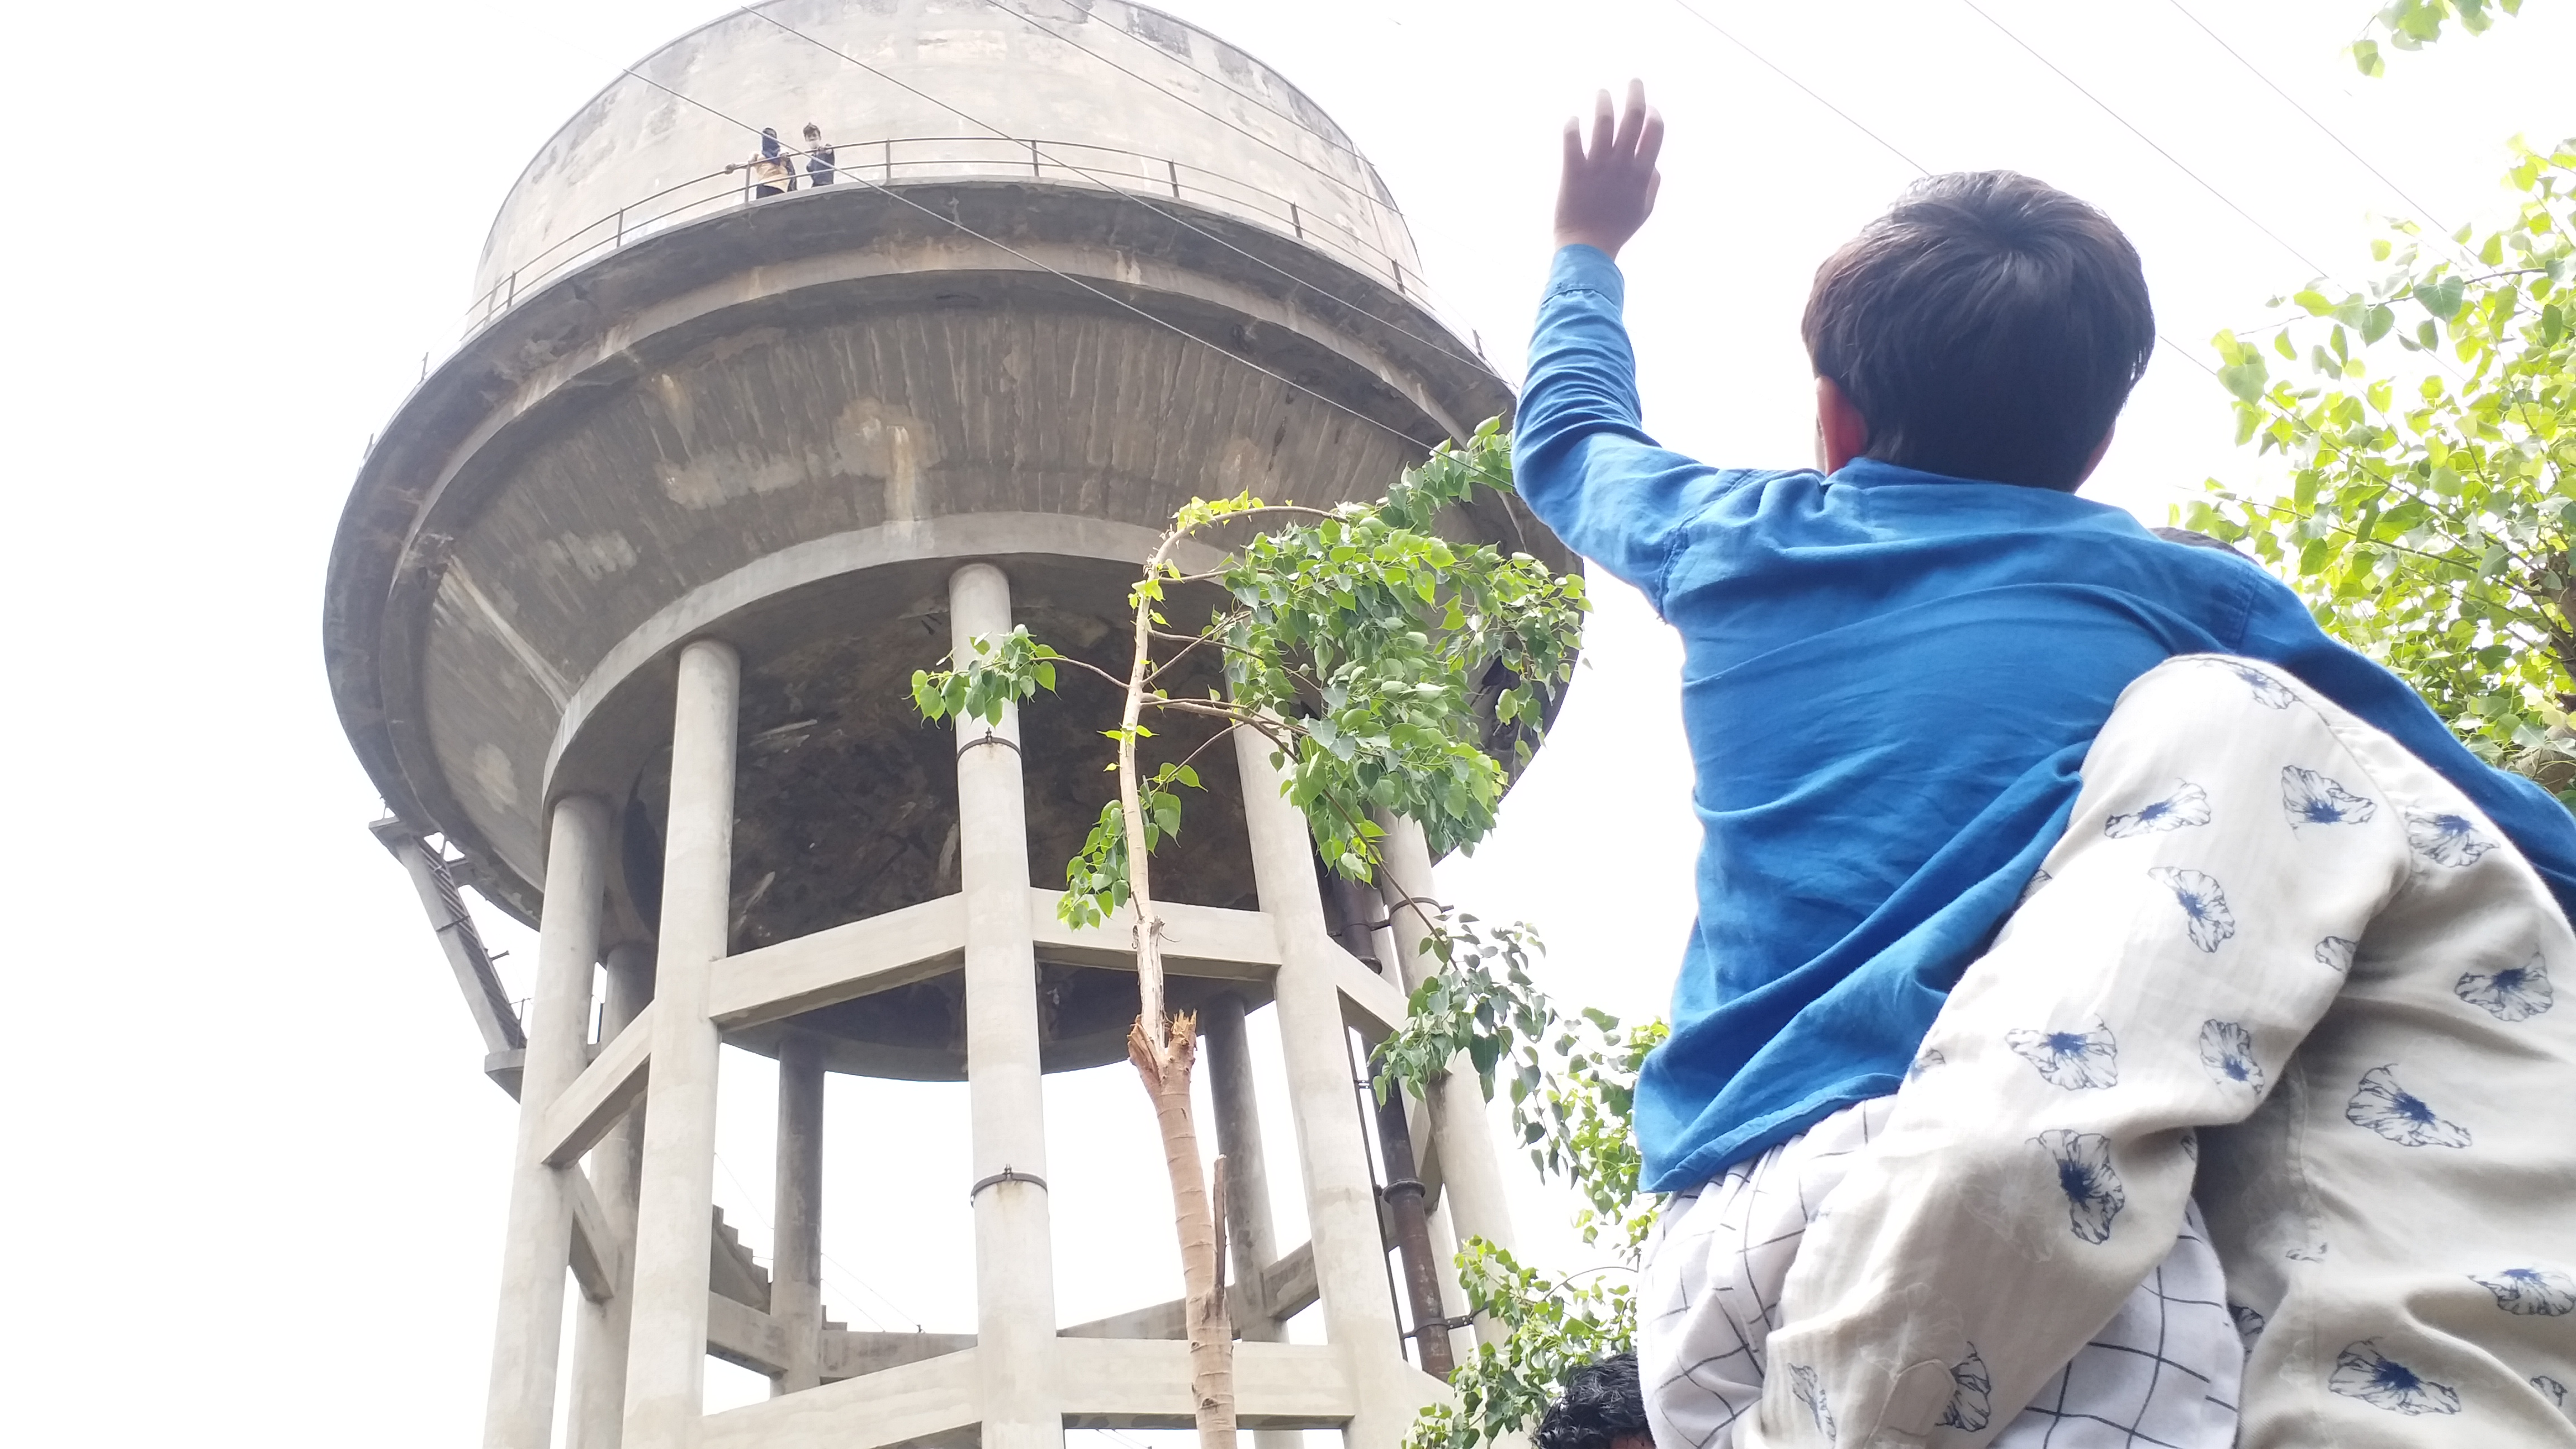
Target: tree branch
1201	706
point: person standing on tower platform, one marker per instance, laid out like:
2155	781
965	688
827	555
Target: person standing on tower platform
771	174
818	157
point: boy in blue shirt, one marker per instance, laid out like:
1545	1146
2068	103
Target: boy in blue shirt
1896	661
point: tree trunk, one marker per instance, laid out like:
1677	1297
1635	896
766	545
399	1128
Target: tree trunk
1166	1073
1164	1051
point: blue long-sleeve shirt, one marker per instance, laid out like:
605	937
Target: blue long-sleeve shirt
1890	680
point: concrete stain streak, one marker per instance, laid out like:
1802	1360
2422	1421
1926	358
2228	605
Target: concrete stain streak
459	591
874	439
713	479
595	555
491	768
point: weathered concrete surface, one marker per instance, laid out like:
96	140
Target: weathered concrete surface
786	374
1041	70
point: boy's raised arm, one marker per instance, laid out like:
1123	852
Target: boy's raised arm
1581	456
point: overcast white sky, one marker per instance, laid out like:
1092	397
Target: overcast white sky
255	1179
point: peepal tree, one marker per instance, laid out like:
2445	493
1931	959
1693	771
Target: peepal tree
1573	1087
2414	24
1384	664
2432	467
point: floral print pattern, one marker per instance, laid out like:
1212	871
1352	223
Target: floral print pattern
2203	904
2074	1060
2094	1195
2517	993
2531	1292
2445	839
2399	1115
2187	805
2268	692
2227	1050
2362	1372
1810	1392
1972	1392
2313	799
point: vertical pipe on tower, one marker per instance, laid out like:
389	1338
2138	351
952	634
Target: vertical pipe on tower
1408	1212
519	1414
796	1254
599	1334
666	1358
1014	1260
1341	1204
1471	1177
1453	1299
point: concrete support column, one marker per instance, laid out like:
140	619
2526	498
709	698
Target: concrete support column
519	1414
1014	1258
1341	1202
599	1333
796	1255
1471	1175
667	1353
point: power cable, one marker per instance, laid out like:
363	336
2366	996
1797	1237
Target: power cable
1221	83
2440	229
769	1227
1448	349
2152	145
1111	298
1223	120
1730	38
2324	129
1919	168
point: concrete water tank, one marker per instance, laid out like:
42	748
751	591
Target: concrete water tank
760	456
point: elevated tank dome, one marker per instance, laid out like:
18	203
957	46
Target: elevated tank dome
915	90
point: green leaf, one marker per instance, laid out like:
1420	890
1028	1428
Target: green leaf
2245	379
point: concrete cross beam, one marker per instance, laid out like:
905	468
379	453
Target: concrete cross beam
599	1250
1135	1383
849	1354
898	1406
828	967
614	1081
1204	941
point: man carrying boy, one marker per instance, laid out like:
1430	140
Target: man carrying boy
2268	894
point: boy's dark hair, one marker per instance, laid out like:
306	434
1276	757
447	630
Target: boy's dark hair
1602	1405
1989	326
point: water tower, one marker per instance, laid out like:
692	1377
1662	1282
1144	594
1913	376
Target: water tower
620	616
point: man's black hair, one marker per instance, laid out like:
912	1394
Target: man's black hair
1602	1405
1989	326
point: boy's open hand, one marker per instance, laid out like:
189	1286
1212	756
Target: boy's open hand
1609	189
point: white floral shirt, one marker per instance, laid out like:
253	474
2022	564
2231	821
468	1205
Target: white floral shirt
2278	964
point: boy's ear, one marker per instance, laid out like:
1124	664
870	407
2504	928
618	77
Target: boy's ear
1842	434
